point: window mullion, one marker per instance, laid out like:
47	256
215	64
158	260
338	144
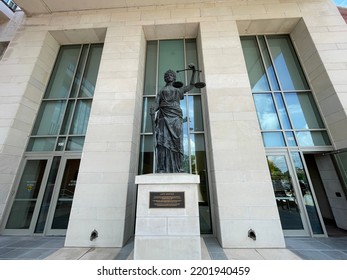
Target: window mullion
272	63
82	70
76	98
156	93
75	72
283	130
264	64
157	70
187	111
289	118
67	100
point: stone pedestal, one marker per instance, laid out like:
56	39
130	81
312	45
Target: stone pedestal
167	218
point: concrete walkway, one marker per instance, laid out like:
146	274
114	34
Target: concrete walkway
52	248
28	247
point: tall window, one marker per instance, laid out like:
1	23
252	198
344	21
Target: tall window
63	117
286	109
162	56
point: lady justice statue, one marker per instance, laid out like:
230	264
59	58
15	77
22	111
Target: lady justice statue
167	120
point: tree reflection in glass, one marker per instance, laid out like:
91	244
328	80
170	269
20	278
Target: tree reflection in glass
284	192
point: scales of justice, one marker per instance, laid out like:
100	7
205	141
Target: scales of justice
198	84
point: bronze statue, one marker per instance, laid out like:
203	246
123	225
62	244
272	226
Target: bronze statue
167	121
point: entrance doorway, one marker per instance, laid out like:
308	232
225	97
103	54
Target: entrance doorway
295	198
44	196
326	190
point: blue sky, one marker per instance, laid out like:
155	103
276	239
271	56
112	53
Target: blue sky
341	3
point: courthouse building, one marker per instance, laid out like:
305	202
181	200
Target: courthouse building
267	135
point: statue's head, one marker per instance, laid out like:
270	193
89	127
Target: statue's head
170	76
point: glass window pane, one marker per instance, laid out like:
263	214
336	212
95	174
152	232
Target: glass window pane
268	64
198	153
49	118
61	144
290	138
63	72
341	160
191	54
273	139
255	68
67	118
313	138
286	198
81	117
266	112
186	149
21	214
91	71
192	57
147	126
75	144
303	111
41	144
205	217
307	195
67	188
171	56
26	196
186	167
146	154
29	185
151	68
78	76
282	111
41	221
286	63
66	193
195	113
198	166
62	215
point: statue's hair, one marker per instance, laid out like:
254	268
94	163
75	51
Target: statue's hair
168	72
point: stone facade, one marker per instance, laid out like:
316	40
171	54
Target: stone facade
241	189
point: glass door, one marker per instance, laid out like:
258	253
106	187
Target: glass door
27	201
44	197
287	195
64	191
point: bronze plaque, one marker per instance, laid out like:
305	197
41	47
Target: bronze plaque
166	200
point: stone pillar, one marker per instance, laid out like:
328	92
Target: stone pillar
243	196
104	197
